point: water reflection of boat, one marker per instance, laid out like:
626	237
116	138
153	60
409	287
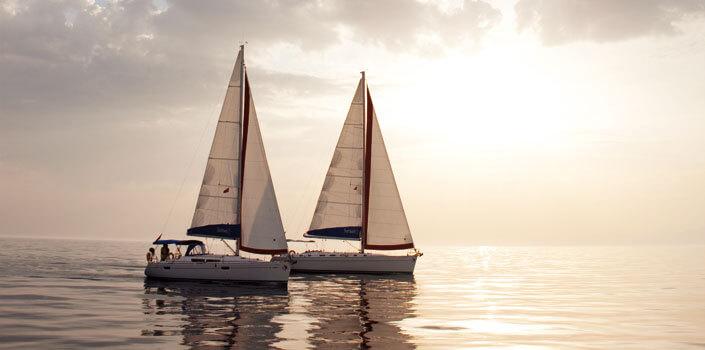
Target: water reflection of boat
359	311
216	315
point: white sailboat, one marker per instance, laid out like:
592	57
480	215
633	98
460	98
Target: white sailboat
236	201
360	201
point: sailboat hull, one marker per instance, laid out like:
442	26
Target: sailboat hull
220	268
325	262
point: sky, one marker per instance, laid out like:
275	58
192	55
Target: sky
507	122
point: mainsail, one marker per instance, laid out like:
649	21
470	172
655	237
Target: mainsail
217	209
338	213
360	199
237	199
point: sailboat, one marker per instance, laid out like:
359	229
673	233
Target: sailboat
236	202
360	201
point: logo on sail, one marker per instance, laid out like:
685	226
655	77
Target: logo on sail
350	230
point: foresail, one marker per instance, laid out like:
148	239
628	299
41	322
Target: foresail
262	229
338	214
217	205
387	227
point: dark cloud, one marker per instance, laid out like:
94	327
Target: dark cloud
316	24
562	21
81	60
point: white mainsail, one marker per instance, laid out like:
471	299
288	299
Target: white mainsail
262	229
347	209
338	213
216	211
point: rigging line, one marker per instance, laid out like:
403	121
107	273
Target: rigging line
354	247
188	167
302	198
300	221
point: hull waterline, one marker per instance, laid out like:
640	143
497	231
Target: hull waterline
324	262
220	268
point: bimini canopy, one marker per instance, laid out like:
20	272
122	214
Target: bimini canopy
194	246
178	242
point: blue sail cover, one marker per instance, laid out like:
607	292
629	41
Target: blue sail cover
347	233
225	231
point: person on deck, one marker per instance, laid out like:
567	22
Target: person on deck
151	254
165	252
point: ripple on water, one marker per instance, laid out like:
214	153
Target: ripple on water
81	294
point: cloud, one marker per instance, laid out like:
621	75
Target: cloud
80	59
105	94
316	24
562	21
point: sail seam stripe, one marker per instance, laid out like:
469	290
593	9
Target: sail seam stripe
210	196
218	158
339	203
346	176
216	211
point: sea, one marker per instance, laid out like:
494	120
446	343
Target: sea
77	294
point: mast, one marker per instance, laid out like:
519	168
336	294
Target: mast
367	125
239	135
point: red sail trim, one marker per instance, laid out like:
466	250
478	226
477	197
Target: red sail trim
389	247
262	251
243	147
368	164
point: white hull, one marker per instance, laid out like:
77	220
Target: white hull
312	262
221	268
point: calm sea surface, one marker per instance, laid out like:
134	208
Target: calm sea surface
86	294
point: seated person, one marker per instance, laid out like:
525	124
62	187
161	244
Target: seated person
165	252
